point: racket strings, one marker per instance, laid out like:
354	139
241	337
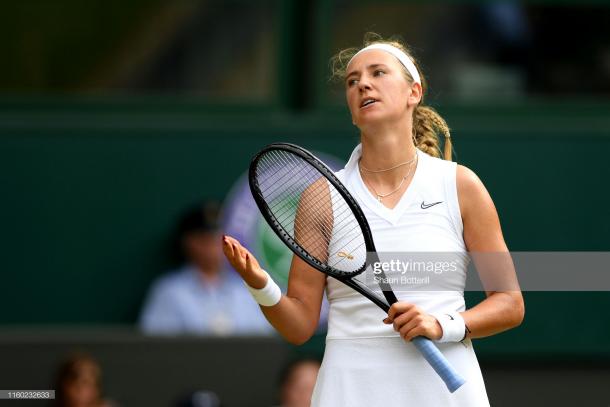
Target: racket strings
293	191
287	215
323	190
324	226
268	169
293	194
310	210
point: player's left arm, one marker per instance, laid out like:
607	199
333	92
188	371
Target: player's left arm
503	308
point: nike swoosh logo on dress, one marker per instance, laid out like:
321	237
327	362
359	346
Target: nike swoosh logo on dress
426	206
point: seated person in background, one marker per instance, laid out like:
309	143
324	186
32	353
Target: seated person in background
201	297
79	383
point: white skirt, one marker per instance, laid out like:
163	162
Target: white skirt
390	372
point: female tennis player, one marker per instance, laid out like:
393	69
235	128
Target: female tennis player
414	201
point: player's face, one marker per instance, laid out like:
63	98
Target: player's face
377	89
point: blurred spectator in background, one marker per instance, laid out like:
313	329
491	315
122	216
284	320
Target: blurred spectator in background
297	382
202	296
79	383
200	398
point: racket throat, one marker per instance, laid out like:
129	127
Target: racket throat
389	295
387	290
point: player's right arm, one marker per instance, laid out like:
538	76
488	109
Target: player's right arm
296	316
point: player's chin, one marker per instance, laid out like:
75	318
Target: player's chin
370	117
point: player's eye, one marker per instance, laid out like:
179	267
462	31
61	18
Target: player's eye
379	72
351	82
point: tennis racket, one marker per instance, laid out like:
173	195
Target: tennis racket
316	217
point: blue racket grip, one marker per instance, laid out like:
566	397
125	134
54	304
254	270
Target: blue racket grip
439	363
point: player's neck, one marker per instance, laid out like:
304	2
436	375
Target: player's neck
381	151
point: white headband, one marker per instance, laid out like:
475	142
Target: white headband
400	55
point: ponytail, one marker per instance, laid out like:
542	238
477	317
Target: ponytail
427	126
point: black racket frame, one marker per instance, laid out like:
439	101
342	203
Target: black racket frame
302	253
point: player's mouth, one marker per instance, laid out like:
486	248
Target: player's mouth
368	102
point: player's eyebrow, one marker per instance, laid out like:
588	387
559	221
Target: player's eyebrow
372	66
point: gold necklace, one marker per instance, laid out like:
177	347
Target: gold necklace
391	168
381	196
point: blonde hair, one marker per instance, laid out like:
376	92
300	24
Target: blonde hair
427	123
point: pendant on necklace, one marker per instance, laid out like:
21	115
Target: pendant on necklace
379	197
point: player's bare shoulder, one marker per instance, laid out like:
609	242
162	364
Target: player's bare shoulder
467	180
472	194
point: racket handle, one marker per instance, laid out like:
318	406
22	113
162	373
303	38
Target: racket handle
439	363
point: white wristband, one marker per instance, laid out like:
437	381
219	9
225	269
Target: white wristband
453	325
267	296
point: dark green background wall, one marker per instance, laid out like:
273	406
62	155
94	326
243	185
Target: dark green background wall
90	191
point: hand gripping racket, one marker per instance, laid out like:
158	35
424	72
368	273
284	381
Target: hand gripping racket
316	217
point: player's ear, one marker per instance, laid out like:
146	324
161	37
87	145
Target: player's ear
415	94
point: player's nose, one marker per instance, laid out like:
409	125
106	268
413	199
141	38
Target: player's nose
364	83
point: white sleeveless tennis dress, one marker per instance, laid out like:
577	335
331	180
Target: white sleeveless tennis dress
366	363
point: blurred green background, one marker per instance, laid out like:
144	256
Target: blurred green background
115	115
